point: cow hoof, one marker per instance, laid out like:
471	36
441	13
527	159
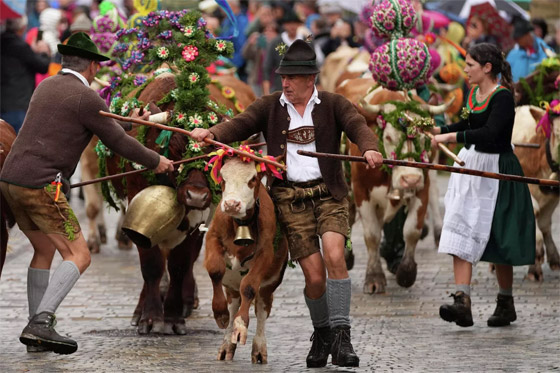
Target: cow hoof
222	319
259	354
406	274
535	274
135	320
187	310
143	328
93	247
239	333
124	245
259	359
227	351
554	264
158	327
425	231
102	234
374	288
180	329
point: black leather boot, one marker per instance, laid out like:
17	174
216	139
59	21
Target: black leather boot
40	333
459	312
342	351
504	314
320	349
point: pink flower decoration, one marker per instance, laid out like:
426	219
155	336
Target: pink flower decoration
190	52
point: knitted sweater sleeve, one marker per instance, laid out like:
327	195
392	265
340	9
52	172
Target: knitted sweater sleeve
242	125
354	124
111	133
455	127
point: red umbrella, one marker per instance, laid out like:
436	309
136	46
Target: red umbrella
496	25
11	9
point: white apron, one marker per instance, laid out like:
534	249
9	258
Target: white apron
469	207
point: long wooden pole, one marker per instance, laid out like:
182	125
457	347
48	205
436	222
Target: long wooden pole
439	167
133	172
188	133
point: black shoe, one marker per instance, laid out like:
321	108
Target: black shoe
320	349
32	349
504	314
342	351
459	312
40	333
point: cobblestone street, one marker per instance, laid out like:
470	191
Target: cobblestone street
399	331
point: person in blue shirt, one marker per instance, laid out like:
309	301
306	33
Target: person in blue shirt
528	52
238	41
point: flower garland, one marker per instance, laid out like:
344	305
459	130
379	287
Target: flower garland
176	42
229	93
545	124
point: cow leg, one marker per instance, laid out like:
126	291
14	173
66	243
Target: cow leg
375	281
177	264
152	265
407	271
435	212
94	208
216	267
123	242
138	310
545	224
263	304
190	296
535	272
227	349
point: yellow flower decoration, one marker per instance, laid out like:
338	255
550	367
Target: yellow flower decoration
228	92
239	106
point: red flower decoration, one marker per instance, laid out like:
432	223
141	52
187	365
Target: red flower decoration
190	52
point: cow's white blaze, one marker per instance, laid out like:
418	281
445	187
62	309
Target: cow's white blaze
237	175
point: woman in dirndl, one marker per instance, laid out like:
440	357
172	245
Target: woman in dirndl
486	219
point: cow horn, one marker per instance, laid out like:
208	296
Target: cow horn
438	109
101	82
370	108
162	117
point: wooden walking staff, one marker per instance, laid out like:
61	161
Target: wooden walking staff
439	167
133	172
185	132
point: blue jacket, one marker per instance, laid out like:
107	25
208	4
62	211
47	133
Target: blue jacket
239	40
523	64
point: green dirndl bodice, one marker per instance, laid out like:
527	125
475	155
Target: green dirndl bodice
512	237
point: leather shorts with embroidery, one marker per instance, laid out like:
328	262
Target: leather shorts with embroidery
306	213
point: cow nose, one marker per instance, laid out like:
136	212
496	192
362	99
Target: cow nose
410	181
232	206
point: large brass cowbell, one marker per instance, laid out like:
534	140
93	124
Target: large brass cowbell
243	236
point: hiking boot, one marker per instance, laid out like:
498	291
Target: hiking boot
504	314
320	349
459	312
40	333
36	349
342	351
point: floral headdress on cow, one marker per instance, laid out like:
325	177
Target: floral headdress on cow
168	42
552	110
217	161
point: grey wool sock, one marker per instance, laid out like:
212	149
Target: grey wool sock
319	310
37	282
61	283
508	292
339	293
464	288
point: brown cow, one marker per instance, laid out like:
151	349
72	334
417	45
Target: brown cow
540	163
7	137
251	273
344	63
372	186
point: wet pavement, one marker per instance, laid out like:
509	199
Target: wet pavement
399	331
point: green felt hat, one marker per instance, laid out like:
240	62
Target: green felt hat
299	59
81	45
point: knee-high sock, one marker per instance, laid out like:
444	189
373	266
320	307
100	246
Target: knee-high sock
60	285
37	282
339	294
319	310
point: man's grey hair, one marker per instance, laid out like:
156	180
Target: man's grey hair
75	63
16	24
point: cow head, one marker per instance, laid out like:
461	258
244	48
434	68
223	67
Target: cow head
240	187
391	123
194	192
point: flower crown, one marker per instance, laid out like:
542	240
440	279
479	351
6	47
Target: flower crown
217	161
552	109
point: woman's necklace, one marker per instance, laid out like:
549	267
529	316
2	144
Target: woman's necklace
480	97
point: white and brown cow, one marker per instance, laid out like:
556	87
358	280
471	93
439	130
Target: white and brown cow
540	163
251	273
372	186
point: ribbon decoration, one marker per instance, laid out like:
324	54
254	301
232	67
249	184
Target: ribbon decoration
163	141
217	162
545	123
262	167
105	93
227	9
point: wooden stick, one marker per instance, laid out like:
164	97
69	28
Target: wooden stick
527	145
188	133
439	167
133	172
446	150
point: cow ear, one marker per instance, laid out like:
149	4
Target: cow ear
537	113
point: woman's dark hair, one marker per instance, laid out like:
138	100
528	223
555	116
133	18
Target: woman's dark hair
484	53
542	24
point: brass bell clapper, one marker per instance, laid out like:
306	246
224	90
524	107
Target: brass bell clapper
243	235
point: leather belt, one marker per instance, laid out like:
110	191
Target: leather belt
301	135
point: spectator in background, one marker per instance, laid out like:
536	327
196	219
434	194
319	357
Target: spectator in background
290	23
332	13
18	64
263	17
556	42
321	37
477	32
240	39
51	21
528	52
33	15
254	53
81	24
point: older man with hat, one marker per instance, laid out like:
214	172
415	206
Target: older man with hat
312	199
528	52
61	120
